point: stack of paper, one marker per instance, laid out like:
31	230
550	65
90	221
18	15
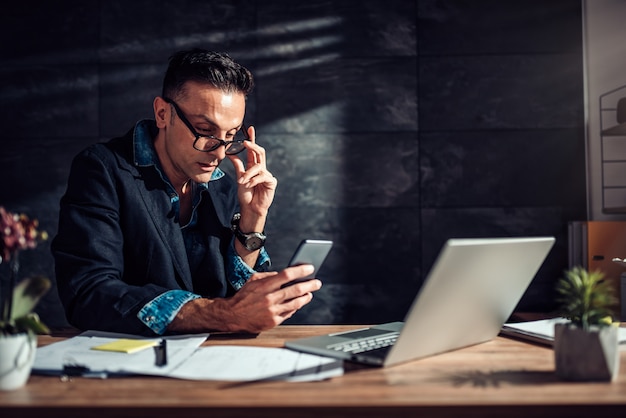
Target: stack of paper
95	354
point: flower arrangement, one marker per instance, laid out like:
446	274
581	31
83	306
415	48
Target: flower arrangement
17	300
586	298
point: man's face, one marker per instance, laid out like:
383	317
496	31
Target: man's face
210	111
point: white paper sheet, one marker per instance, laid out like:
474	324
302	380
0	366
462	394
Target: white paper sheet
244	363
77	351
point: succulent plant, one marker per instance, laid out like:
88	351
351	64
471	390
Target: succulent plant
586	298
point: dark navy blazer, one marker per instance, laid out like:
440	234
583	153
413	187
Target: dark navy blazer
119	246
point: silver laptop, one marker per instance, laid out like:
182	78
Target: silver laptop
472	289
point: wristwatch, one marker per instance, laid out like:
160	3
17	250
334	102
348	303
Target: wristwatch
252	240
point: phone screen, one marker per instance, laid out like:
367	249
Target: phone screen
310	251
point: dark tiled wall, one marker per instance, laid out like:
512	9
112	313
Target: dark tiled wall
391	125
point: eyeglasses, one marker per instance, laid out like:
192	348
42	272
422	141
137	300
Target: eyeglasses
207	143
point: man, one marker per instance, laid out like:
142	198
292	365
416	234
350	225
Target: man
154	238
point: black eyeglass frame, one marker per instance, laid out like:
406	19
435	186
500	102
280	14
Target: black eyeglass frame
221	142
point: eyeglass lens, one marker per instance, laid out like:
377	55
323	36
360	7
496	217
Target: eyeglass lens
233	146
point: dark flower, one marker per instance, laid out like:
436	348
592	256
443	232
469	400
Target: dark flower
18	232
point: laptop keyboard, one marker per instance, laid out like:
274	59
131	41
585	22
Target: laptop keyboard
361	346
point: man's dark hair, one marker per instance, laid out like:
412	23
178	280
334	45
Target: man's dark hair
216	68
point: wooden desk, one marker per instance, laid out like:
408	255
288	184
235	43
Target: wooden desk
503	377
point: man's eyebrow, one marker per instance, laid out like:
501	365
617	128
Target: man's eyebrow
215	125
206	119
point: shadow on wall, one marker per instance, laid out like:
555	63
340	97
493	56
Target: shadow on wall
310	69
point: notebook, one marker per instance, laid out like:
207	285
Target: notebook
541	331
471	290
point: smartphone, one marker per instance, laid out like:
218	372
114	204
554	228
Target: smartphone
310	251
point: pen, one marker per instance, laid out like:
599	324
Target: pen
75	370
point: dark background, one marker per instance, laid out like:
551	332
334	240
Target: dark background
392	125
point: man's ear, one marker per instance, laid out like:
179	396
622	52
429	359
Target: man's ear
161	111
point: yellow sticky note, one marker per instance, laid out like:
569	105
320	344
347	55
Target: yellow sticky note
126	345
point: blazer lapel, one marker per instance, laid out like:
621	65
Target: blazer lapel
158	205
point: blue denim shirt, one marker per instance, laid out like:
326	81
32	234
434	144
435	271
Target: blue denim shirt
159	312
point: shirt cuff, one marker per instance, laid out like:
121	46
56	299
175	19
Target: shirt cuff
239	272
161	311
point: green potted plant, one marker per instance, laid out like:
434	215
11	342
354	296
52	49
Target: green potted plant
586	347
19	324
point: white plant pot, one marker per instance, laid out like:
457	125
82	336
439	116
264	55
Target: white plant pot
17	354
581	355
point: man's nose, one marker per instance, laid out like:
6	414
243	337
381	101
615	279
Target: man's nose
220	152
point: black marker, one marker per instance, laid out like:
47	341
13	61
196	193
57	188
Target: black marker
160	352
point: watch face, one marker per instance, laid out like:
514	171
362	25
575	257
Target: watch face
254	243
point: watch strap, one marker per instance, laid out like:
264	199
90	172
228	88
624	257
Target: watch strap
250	240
